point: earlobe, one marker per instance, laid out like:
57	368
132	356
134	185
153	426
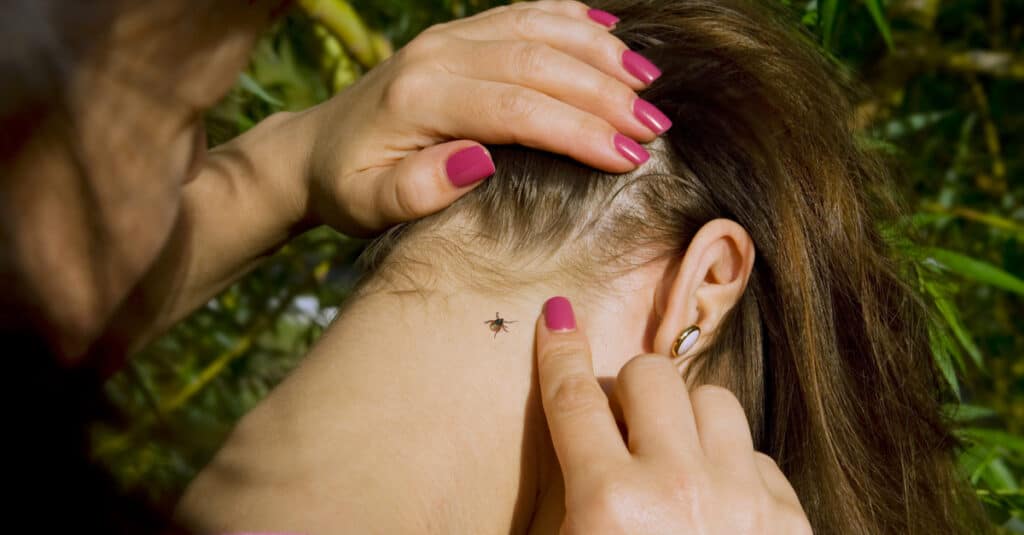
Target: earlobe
699	289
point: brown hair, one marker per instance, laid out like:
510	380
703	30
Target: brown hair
828	349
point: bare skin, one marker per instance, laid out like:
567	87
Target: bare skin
613	485
146	250
122	226
438	427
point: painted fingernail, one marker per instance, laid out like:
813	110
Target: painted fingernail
558	315
469	166
602	17
631	149
652	117
640	67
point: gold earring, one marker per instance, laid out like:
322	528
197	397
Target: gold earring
686	340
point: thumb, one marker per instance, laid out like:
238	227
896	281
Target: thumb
429	180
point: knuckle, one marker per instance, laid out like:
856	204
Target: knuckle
425	44
724	418
412	198
527	21
403	91
577	394
515	106
555	351
603	506
506	7
572	3
599	129
589	130
614	90
530	57
564	6
641	367
646	363
580	6
436	28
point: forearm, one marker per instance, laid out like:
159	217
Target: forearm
246	201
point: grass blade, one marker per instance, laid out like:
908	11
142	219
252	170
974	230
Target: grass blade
977	270
878	13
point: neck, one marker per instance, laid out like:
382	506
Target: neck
436	360
413	396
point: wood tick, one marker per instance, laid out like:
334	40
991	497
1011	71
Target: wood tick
498	324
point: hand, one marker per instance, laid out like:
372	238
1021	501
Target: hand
541	74
689	465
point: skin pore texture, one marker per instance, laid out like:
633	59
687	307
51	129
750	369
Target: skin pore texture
410	398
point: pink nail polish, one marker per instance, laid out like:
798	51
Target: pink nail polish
640	67
651	116
469	166
631	150
558	315
602	17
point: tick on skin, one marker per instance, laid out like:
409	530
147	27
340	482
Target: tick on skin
498	324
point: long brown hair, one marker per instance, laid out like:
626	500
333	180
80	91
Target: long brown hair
828	349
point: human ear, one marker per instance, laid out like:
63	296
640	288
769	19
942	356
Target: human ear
704	284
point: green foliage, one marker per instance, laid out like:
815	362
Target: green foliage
827	15
942	80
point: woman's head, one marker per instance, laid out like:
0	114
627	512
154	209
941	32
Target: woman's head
100	125
823	344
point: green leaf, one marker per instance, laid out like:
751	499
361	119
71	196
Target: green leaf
878	13
249	84
998	475
977	270
829	9
944	358
994	438
950	314
967	413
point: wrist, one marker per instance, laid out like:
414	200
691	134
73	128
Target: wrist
270	166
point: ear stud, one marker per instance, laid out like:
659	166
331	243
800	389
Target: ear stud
686	341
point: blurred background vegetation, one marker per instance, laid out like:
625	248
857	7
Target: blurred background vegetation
943	95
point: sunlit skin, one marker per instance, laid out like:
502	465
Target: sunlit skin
390	401
122	229
361	168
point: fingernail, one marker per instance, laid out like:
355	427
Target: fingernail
469	166
558	315
652	117
640	67
631	149
602	17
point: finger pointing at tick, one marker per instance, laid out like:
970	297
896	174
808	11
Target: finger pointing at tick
689	466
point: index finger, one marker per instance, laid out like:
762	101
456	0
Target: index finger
583	430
